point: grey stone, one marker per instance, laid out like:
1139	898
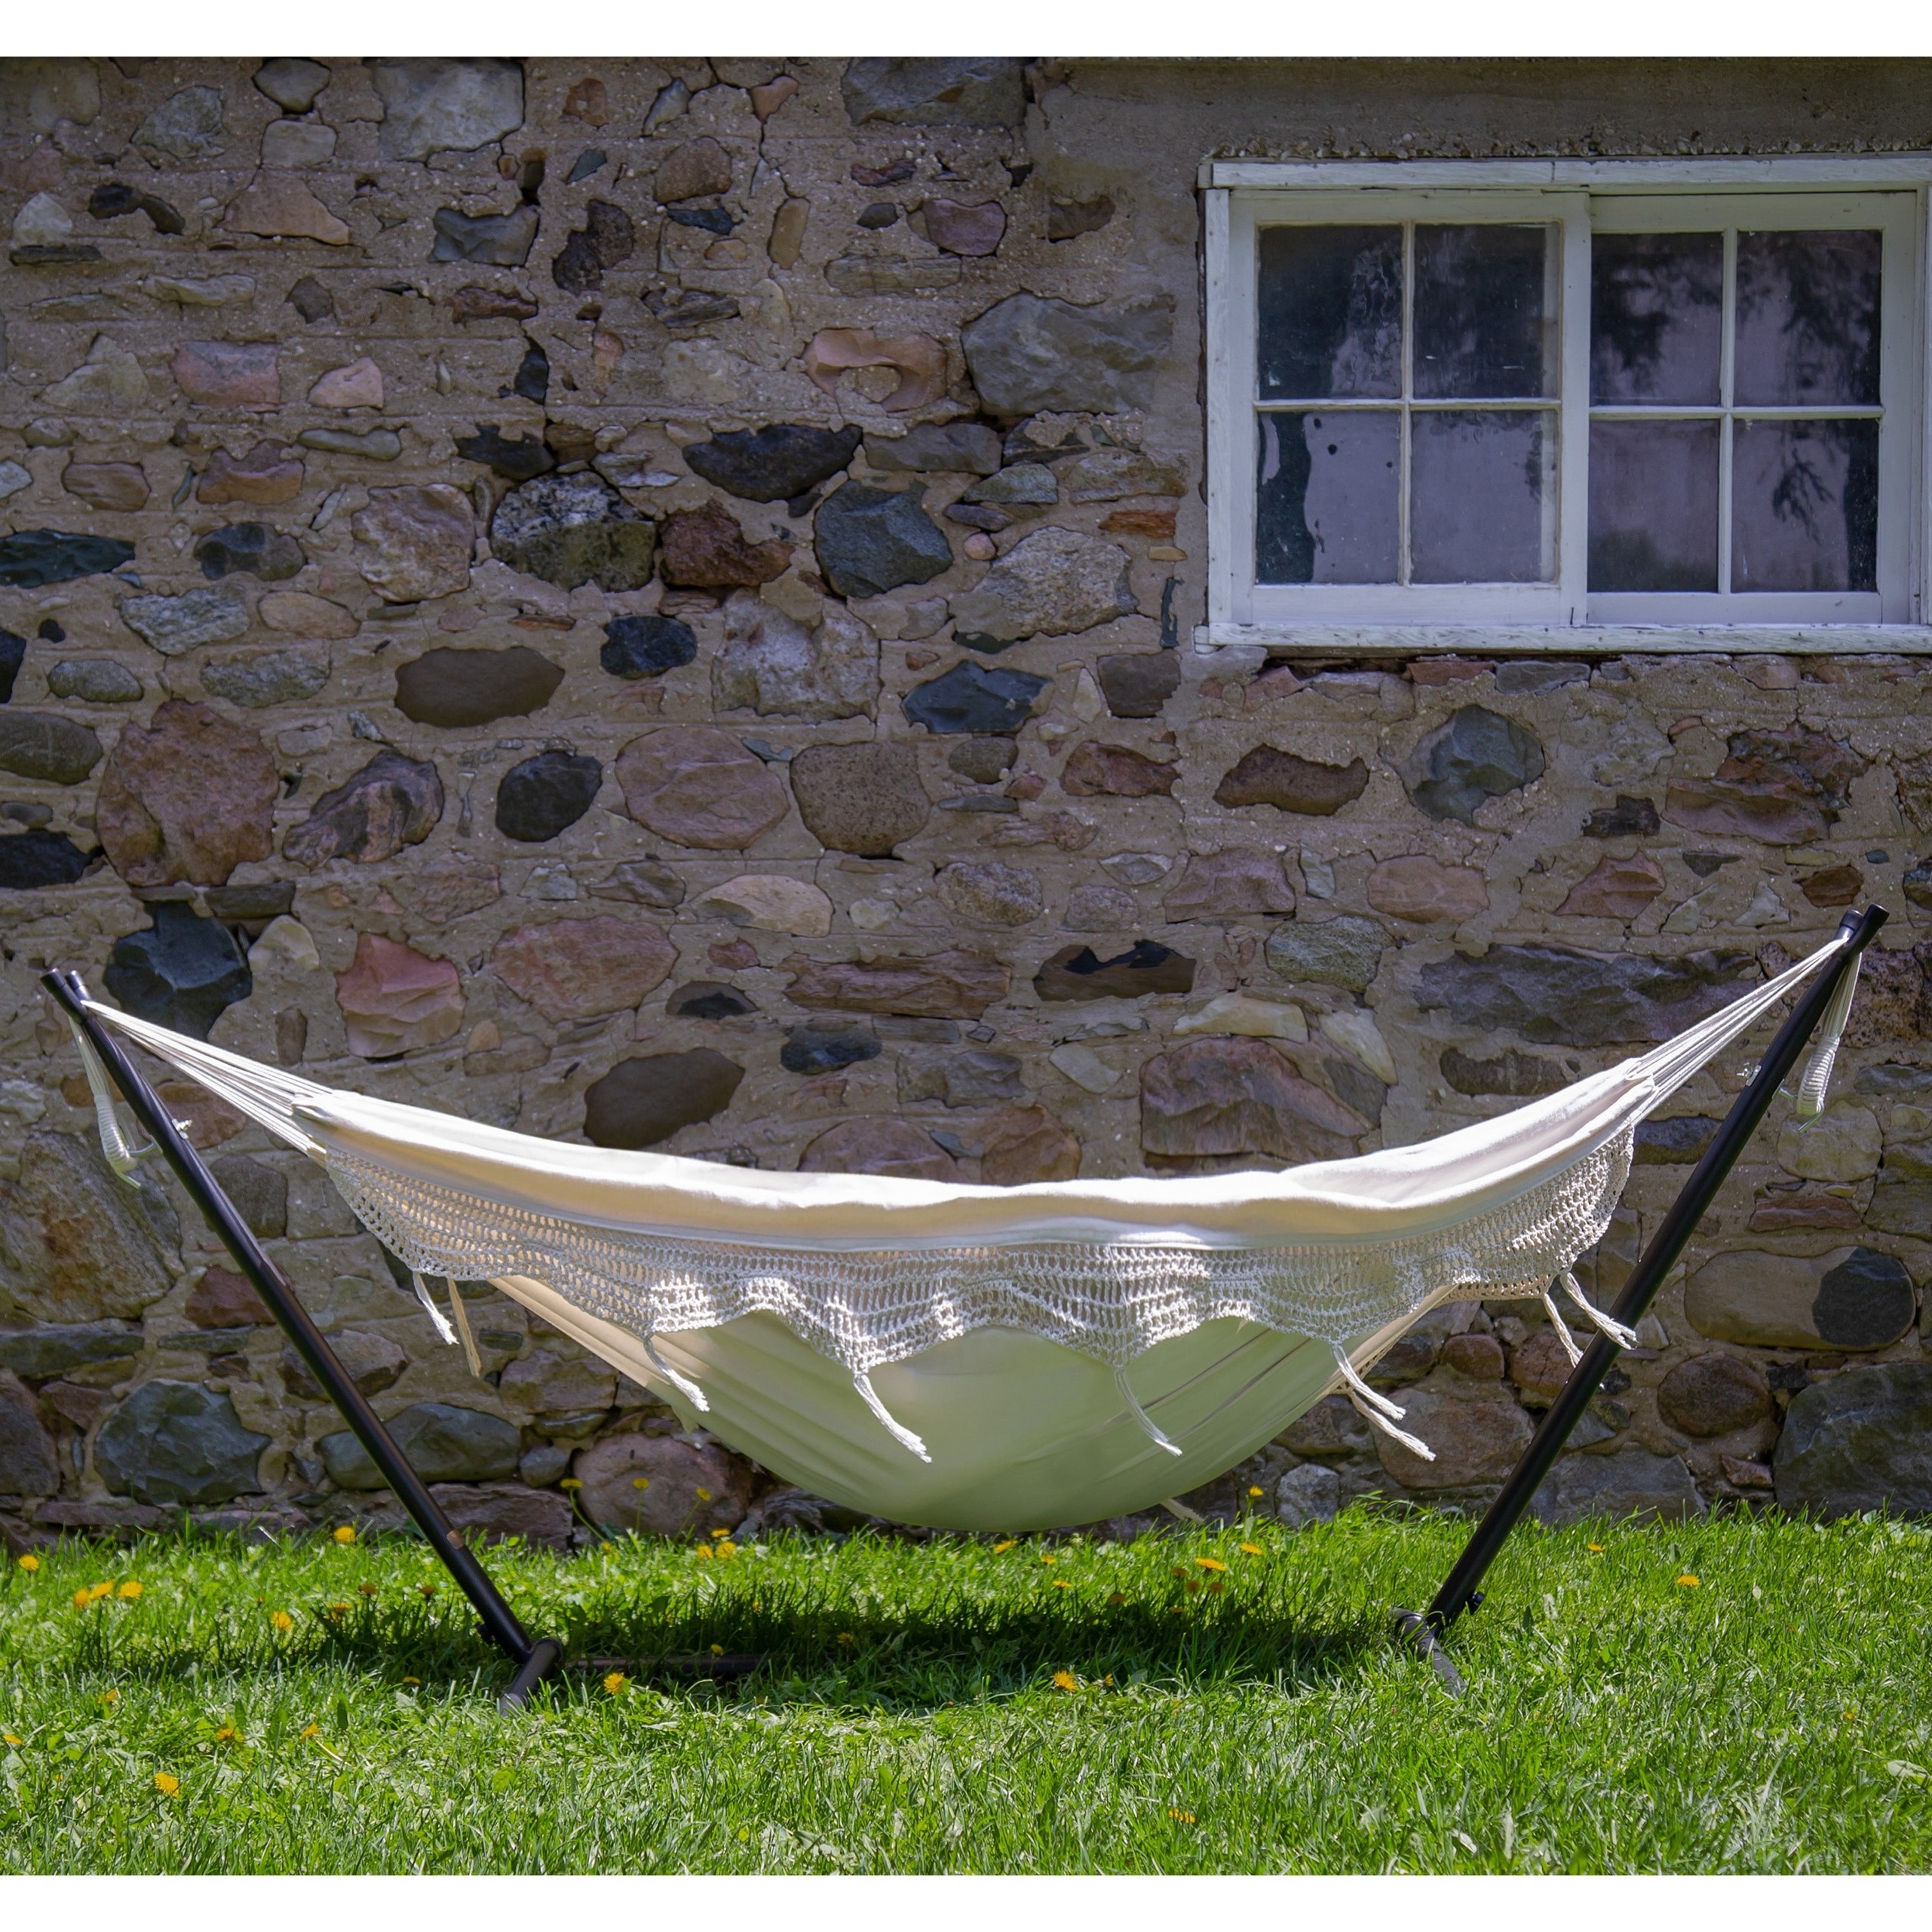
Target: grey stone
1513	1072
1626	1483
643	882
187	126
441	1442
1477	1438
1024	486
606	239
648	1098
988	893
663	1486
1308	1493
500	241
641	647
263	678
1471	757
372	1362
28	1466
985	761
54	1347
92	681
544	1465
391	802
1138	685
379	446
1713	1394
517	459
1344	951
213	614
967	447
1850	1298
175	1442
260	1194
262	552
1861	1439
1105	475
772	664
1553	996
825	1046
936	92
1333	1428
871	541
772	465
1100	908
502	1511
37	857
43	745
452	688
1027	354
429	106
546	794
80	1246
862	275
959	1076
969	698
30	560
182	969
572	530
292	84
1679	1141
1532	674
864	798
1053	584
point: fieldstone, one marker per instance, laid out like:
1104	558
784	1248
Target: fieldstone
429	106
1843	1144
971	698
706	549
551	1384
57	1348
771	664
1832	886
372	1362
308	298
356	385
1019	487
769	903
641	647
1714	1395
395	1000
662	1485
1066	220
291	83
1552	996
1539	1368
582	968
1618	889
391	802
919	360
931	92
572	530
107	382
106	485
1220	1097
700	788
708	999
181	970
264	553
870	541
441	1442
173	1442
987	893
827	1047
1804	1208
1138	685
969	448
694	169
278	206
14	477
516	460
1472	756
864	799
1267	776
486	1512
1344	951
222	1298
298	611
1023	1144
187	126
36	857
269	474
1422	889
775	465
498	241
1306	1494
1626	1483
1230	885
1628	818
1100	908
1479	1356
1851	1298
43	222
1860	1440
1028	354
959	1077
188	798
606	239
1237	1012
1356	1033
1104	476
80	1247
1093	770
1785	788
414	541
229	374
43	745
546	794
951	984
1476	1440
263	678
642	1101
1076	973
93	681
1679	1141
1332	1427
1053	584
260	1194
963	228
454	688
879	1144
174	625
31	559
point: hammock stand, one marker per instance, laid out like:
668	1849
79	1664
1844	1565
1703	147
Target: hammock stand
536	1658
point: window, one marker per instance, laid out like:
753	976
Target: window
1608	402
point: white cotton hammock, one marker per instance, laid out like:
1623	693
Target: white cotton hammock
978	1357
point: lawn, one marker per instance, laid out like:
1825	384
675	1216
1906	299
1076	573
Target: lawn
1733	1695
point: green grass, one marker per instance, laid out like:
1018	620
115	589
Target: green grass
1777	1716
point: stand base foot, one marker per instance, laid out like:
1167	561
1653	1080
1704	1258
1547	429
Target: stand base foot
1421	1633
546	1654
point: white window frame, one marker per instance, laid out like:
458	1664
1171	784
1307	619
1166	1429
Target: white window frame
1562	617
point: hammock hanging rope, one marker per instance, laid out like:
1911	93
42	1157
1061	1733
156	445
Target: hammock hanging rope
978	1357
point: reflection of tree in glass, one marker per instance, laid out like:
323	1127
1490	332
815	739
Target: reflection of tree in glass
1800	492
1329	311
1820	291
1480	322
1643	287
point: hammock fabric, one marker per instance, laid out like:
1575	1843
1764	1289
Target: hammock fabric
975	1358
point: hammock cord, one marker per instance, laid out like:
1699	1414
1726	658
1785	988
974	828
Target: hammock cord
1624	1338
461	1317
1562	1327
1814	1083
1376	1408
122	1155
1147	1422
438	1320
896	1429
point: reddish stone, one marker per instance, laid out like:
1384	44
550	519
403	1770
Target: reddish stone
1783	787
395	999
1803	1207
588	101
705	549
1540	1368
223	1299
1434	673
1231	884
1025	1144
206	1119
733	954
415	541
1713	1394
1217	1097
242	376
1156	524
269	474
1618	889
1479	1356
1266	776
1422	889
391	802
1834	886
576	969
964	229
190	797
106	485
700	787
766	100
275	205
1092	769
494	1512
661	1485
697	167
879	1144
356	385
943	986
475	303
1475	1440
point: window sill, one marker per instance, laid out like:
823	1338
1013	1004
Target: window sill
1569	640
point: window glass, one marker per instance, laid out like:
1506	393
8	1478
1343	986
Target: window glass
1804	506
1330	312
1483	506
1485	312
1653	505
1656	318
1328	507
1807	317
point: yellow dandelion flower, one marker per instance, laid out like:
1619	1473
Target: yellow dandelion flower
82	1598
225	1735
845	1636
12	1738
728	1549
310	1730
1065	1680
30	1562
1118	1597
1061	1583
717	1650
1180	1817
129	1590
1252	1549
282	1622
720	1532
1210	1563
1048	1556
636	1483
703	1495
571	1482
702	1550
426	1590
107	1697
1255	1489
1000	1549
412	1680
166	1784
344	1532
335	1612
614	1682
1686	1582
1595	1549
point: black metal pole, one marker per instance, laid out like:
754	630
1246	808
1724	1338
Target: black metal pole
535	1660
1461	1591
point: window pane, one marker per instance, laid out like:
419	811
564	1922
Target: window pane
1804	506
1653	506
1807	317
1485	496
1485	312
1329	497
1656	318
1330	304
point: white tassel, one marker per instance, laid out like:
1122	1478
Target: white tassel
429	1308
1624	1338
122	1156
685	1386
1415	1445
1362	1393
900	1433
1140	1416
1814	1083
1562	1327
462	1318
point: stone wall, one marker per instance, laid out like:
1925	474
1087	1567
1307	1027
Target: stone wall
653	602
